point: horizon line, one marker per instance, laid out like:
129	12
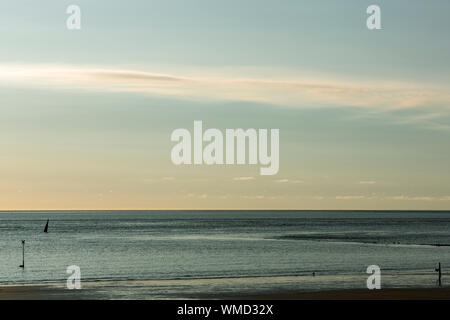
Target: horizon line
353	210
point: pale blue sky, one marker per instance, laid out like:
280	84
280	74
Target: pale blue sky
80	146
319	36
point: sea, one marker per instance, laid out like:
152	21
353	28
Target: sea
259	247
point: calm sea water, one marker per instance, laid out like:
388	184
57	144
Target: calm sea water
155	245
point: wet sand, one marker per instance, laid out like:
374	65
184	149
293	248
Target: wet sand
358	294
103	291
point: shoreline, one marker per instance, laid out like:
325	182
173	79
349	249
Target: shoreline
303	274
324	287
442	293
45	292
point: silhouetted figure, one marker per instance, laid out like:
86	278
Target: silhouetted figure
314	274
23	255
46	227
439	270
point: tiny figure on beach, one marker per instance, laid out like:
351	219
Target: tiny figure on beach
439	270
314	274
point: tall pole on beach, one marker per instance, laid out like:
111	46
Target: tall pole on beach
23	255
439	270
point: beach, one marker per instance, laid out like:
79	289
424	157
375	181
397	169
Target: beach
53	292
334	287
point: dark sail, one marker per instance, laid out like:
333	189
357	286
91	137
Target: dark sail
46	227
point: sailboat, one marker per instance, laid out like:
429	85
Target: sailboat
46	227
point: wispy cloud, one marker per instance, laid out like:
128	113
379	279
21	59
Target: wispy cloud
243	178
420	198
255	197
196	196
288	181
165	179
349	197
367	182
290	91
399	198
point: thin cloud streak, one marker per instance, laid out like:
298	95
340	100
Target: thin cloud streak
367	182
300	92
243	178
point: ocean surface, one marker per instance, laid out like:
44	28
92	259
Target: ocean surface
174	245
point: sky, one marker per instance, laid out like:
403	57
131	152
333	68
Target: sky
86	115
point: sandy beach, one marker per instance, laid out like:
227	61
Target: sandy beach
38	292
359	294
261	289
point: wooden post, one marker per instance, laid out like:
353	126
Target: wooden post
23	255
439	270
